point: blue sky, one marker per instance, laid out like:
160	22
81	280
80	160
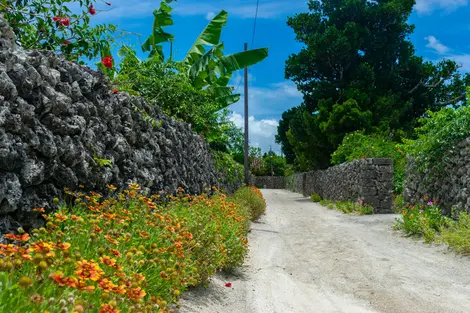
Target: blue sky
442	31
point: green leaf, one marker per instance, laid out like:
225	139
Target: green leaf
240	60
210	36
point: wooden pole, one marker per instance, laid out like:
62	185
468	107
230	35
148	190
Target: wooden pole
247	169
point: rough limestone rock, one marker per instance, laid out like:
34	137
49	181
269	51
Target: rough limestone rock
370	180
450	186
60	120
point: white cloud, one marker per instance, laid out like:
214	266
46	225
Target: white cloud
435	44
463	60
265	105
428	6
261	132
210	15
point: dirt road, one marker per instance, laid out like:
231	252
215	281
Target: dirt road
306	258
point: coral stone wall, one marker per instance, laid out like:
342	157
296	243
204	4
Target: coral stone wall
60	122
370	180
451	186
270	182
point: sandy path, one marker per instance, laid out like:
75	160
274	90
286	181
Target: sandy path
306	258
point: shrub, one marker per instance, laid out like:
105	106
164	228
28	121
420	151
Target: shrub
423	220
457	235
357	145
316	197
227	166
438	133
112	254
251	198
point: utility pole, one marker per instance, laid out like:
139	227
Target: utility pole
247	169
271	159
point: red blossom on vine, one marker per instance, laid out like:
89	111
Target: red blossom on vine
91	10
107	61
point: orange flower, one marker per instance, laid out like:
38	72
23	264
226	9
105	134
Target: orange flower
111	239
81	285
108	308
23	237
107	285
36	298
41	210
97	229
58	278
62	246
43	247
178	245
139	277
60	217
143	234
111	187
88	270
107	261
116	252
136	293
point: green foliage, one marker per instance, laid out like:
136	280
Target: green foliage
357	71
457	235
34	25
428	222
103	162
166	85
438	133
270	164
251	198
227	166
422	220
121	249
357	145
316	197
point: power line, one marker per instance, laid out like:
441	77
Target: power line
252	37
254	24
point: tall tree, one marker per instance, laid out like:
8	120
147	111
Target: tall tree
358	71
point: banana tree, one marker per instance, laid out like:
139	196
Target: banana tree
209	69
213	69
161	18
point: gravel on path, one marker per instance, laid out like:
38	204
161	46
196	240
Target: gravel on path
306	258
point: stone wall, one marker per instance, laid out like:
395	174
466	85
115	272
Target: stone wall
451	186
60	120
370	180
270	182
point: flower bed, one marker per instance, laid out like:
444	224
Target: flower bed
127	252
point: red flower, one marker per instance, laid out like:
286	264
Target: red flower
107	61
64	21
56	18
66	42
115	91
228	285
91	10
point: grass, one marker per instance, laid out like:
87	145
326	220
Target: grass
126	252
316	197
426	221
348	207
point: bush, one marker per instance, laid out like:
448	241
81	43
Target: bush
113	254
457	235
251	198
316	197
228	167
438	134
422	220
358	146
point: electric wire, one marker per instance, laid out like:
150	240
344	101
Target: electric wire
252	38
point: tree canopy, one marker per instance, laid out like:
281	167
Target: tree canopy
358	71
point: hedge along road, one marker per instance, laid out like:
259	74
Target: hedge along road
306	258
